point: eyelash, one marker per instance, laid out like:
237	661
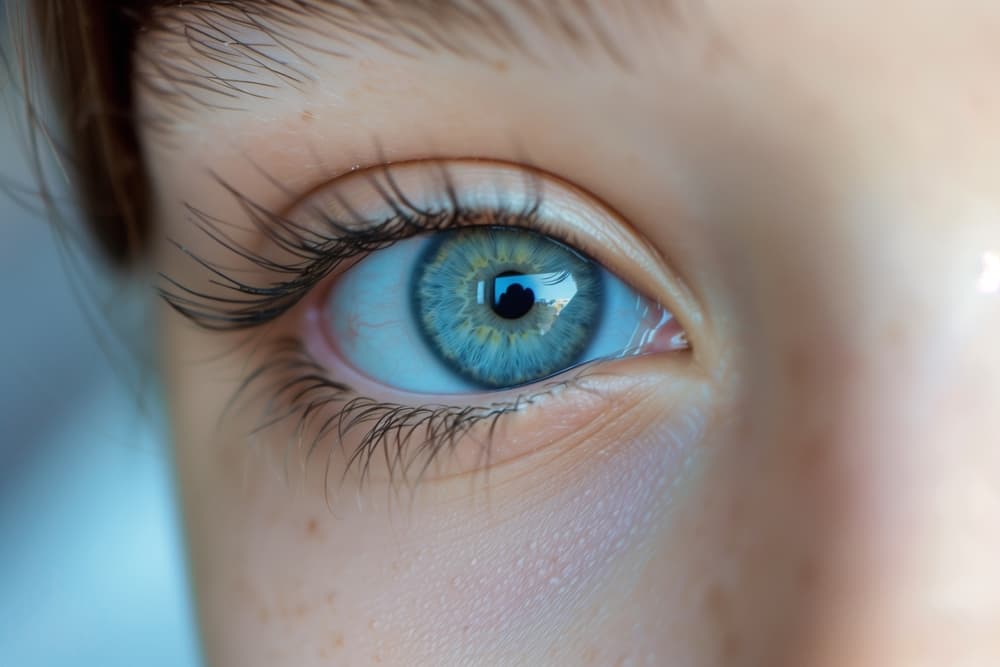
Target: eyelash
299	391
402	433
318	255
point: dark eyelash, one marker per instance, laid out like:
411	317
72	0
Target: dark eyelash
310	254
410	438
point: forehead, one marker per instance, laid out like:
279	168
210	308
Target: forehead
914	78
230	49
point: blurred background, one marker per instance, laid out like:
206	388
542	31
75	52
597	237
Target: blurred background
92	571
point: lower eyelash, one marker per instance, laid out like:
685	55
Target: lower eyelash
320	411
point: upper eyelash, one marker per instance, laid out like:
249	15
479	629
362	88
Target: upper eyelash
312	254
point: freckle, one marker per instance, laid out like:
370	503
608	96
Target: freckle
323	653
797	367
330	598
263	615
808	576
717	606
243	586
716	603
501	65
895	334
308	116
301	610
311	528
718	52
338	641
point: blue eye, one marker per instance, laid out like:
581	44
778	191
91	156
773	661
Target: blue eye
481	309
503	307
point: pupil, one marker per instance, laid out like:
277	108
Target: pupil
515	301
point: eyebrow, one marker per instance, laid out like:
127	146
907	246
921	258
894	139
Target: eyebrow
219	53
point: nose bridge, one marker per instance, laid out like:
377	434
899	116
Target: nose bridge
880	352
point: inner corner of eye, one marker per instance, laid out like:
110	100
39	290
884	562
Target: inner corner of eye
481	309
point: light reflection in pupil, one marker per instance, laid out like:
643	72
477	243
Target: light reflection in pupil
514	295
512	299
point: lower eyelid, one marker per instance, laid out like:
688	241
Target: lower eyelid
347	433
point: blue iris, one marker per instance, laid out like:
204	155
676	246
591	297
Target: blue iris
503	307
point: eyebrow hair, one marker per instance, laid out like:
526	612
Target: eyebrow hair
218	53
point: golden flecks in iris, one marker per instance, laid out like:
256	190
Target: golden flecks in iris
482	345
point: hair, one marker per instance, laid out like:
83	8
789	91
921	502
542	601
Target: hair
85	48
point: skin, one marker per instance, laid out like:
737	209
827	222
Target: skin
812	188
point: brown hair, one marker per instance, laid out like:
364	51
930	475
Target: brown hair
86	48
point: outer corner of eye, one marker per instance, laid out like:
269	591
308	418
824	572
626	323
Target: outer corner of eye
497	302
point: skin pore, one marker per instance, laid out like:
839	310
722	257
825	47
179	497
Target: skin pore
812	189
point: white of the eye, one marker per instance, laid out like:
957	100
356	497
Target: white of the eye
381	338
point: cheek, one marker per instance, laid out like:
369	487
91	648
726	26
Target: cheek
546	563
510	562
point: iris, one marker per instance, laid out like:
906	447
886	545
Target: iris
502	306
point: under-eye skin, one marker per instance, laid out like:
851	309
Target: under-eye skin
437	298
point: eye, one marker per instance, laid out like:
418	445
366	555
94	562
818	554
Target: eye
495	304
389	310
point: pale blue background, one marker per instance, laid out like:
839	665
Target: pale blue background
91	567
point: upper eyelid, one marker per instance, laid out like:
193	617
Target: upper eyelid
610	243
240	303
